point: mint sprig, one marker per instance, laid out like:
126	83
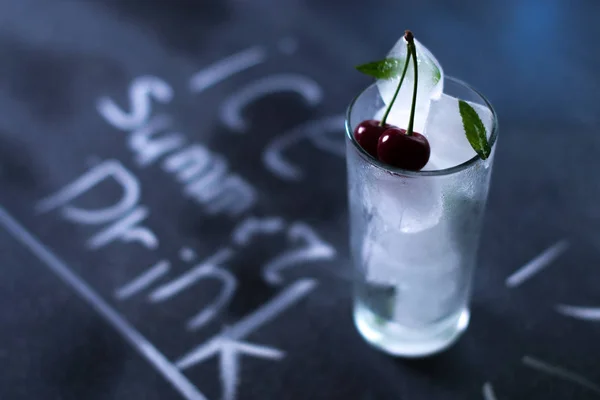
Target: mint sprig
387	68
437	75
390	68
474	129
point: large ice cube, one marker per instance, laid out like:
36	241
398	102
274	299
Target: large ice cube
430	86
446	134
425	296
422	267
381	267
403	211
405	204
388	253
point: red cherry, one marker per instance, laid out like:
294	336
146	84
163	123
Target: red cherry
400	150
367	134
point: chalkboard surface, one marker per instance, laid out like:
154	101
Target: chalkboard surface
173	207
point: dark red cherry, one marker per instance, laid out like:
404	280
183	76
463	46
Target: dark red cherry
367	134
400	150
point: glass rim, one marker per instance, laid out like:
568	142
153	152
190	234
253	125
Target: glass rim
437	172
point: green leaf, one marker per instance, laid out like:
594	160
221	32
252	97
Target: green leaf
383	69
474	129
437	75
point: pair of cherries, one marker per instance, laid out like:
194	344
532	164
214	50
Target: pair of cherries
402	148
392	145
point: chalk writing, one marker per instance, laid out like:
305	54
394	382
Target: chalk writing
560	372
205	175
142	90
144	280
315	249
488	392
126	229
537	264
147	147
139	343
210	268
584	313
125	218
252	226
226	68
108	169
206	178
221	193
318	132
228	346
189	162
231	110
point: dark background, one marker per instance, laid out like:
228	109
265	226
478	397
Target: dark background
536	60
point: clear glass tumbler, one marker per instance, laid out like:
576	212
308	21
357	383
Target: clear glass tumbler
414	238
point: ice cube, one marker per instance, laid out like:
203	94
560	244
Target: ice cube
405	204
446	135
423	267
430	86
380	265
426	295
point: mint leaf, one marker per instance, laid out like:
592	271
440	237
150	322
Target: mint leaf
383	69
437	75
474	129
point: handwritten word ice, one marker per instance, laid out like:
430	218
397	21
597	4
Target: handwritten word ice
319	132
325	134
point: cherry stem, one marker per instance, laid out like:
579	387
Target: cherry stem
389	108
411	48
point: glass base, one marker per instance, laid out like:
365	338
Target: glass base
398	340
